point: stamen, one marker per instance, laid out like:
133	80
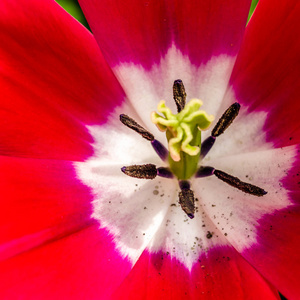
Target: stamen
226	119
187	199
243	186
184	184
205	172
183	132
147	171
206	146
179	94
160	149
129	122
164	172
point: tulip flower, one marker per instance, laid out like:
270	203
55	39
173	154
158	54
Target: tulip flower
200	110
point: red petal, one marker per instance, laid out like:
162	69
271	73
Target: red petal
40	201
266	75
84	265
53	81
142	32
266	78
220	274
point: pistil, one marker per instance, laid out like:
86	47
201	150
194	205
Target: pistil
183	132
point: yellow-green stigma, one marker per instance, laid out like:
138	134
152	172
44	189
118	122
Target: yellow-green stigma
183	131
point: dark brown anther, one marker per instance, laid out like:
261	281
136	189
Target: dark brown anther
243	186
147	171
129	122
226	119
187	201
179	94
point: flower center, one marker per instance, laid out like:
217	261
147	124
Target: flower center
183	132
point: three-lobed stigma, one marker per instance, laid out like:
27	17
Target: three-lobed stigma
183	132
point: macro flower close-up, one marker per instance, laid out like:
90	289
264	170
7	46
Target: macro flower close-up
153	157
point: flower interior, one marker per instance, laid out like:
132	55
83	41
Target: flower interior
185	151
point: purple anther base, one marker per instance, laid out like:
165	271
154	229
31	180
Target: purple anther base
206	146
184	184
160	149
205	172
164	172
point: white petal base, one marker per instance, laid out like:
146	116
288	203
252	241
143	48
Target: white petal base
145	213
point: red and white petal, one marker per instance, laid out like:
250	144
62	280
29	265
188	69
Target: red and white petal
181	259
264	230
131	209
276	254
142	32
266	75
266	81
220	273
82	265
253	225
235	213
149	45
53	81
50	246
139	213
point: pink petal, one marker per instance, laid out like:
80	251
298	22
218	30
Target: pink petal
53	81
219	274
266	75
83	265
142	32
